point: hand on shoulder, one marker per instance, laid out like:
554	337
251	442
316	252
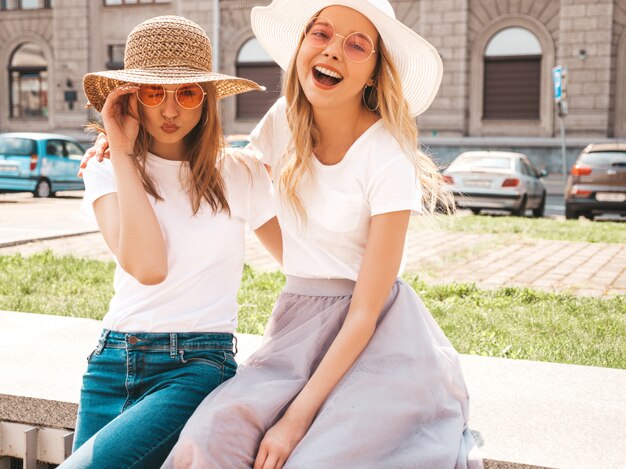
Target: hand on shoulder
244	157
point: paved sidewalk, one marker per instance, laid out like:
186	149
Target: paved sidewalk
489	260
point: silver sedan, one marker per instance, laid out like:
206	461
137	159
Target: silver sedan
497	180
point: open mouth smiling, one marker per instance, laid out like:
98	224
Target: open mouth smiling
326	76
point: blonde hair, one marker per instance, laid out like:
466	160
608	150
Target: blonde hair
204	146
393	110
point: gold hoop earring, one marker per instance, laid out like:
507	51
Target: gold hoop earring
373	91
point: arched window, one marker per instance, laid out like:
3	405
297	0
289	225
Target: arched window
28	81
512	77
255	64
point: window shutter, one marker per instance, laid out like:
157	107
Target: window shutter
254	104
512	87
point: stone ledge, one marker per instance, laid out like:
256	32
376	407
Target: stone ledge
38	412
491	464
525	415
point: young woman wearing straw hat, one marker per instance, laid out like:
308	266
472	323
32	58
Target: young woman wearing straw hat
354	372
172	207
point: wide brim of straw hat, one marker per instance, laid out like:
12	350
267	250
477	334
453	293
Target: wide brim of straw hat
279	27
98	85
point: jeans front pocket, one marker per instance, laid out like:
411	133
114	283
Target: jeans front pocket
230	366
214	358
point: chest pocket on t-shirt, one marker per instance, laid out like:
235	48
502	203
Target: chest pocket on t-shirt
342	212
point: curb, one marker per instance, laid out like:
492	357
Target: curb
9	244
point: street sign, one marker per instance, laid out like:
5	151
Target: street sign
559	75
559	79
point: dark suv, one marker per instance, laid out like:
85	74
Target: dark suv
597	182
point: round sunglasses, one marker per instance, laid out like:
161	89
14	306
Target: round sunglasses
188	95
357	46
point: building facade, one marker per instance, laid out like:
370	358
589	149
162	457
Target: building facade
497	89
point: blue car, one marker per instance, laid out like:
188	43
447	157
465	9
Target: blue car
39	163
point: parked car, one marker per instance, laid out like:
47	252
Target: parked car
597	182
238	140
497	180
39	163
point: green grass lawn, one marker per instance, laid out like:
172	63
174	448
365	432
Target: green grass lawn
49	284
537	228
508	322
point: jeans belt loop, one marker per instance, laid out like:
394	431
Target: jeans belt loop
173	344
235	349
102	342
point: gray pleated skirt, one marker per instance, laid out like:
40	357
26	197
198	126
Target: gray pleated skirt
403	404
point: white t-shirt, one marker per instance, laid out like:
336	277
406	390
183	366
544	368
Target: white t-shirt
205	252
374	177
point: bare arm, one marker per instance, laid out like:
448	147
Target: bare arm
271	237
127	219
378	272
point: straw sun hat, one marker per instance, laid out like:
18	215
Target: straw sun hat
166	50
279	27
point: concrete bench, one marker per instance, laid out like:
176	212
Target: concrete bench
524	414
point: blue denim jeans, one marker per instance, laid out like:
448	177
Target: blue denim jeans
138	392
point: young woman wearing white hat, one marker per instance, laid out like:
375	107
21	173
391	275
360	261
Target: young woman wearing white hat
172	207
353	372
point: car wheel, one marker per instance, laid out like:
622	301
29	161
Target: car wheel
43	189
570	214
541	209
475	211
521	210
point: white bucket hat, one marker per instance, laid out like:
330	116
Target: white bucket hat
279	27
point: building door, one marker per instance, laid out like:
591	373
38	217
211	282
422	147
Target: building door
28	82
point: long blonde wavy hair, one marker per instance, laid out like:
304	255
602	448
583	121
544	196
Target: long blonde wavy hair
392	109
204	146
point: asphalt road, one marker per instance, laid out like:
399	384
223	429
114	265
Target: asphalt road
24	217
555	206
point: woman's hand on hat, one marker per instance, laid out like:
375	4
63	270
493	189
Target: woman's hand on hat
99	150
120	118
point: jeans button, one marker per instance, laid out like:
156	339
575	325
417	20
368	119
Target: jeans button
132	340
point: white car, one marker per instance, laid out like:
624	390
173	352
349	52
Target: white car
497	180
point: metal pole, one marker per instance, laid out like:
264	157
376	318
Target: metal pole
563	155
216	35
563	152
